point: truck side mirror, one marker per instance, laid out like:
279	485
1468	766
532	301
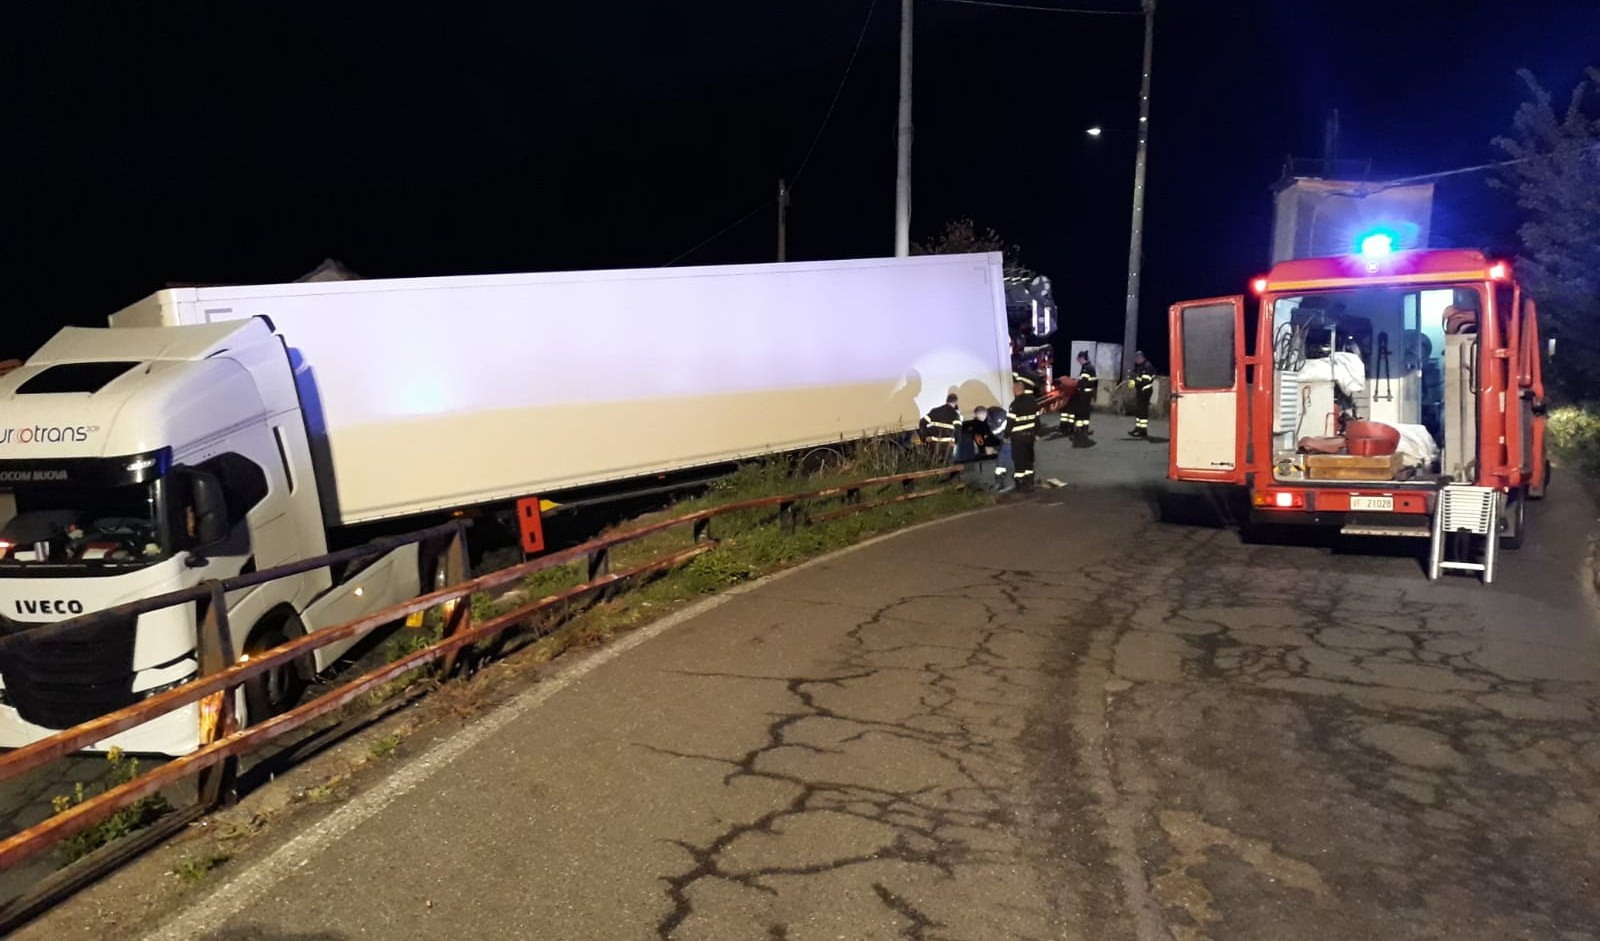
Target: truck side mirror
199	514
210	507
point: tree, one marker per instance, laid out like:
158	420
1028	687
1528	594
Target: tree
962	235
1555	174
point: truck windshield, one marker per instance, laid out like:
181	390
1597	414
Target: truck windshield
98	527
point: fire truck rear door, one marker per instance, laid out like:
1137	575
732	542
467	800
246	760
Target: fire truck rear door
1208	390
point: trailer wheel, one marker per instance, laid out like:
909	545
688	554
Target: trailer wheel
1514	525
277	690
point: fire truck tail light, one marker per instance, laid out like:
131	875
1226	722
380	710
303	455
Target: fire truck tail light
1280	500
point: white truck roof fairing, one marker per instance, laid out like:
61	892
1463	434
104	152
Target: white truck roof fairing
432	393
94	344
182	385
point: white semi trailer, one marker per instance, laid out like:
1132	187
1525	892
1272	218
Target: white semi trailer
213	431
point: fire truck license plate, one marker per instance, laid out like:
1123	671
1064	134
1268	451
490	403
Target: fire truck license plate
1376	504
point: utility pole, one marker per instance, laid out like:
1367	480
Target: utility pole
1130	327
783	221
902	187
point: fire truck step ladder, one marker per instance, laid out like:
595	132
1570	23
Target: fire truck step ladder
1465	512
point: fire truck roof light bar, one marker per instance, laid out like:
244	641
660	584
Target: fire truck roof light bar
1377	244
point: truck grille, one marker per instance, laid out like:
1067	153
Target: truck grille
58	682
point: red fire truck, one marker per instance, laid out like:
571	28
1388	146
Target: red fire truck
1365	384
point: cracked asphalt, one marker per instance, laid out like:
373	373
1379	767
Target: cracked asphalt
1058	719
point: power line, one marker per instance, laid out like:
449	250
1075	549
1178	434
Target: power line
1029	6
861	37
815	140
720	232
839	91
1364	190
1443	173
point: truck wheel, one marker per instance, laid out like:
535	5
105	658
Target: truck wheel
277	690
1515	522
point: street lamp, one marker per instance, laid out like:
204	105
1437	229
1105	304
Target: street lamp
1095	131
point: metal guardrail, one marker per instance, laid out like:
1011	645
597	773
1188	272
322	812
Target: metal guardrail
215	761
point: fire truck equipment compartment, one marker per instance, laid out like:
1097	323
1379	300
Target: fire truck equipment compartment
1353	467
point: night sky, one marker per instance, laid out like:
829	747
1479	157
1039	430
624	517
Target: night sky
157	143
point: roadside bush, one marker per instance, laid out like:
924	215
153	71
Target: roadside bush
140	814
1574	432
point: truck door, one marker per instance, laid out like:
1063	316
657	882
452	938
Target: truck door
1208	392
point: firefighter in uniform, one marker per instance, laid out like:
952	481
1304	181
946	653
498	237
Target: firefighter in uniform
981	434
1024	375
1143	382
1083	398
1021	430
939	427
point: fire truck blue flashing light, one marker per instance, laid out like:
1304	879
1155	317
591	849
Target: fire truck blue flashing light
1377	244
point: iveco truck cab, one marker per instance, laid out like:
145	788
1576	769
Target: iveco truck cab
139	461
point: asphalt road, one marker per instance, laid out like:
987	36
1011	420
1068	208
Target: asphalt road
1062	718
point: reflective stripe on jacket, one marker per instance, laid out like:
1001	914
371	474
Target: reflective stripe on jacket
1088	380
942	423
1024	414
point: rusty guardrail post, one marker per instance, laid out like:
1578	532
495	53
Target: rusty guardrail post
599	566
218	718
458	613
599	563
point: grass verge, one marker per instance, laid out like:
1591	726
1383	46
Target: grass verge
194	869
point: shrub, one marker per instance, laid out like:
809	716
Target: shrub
136	816
1574	437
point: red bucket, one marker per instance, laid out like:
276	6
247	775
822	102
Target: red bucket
1371	438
